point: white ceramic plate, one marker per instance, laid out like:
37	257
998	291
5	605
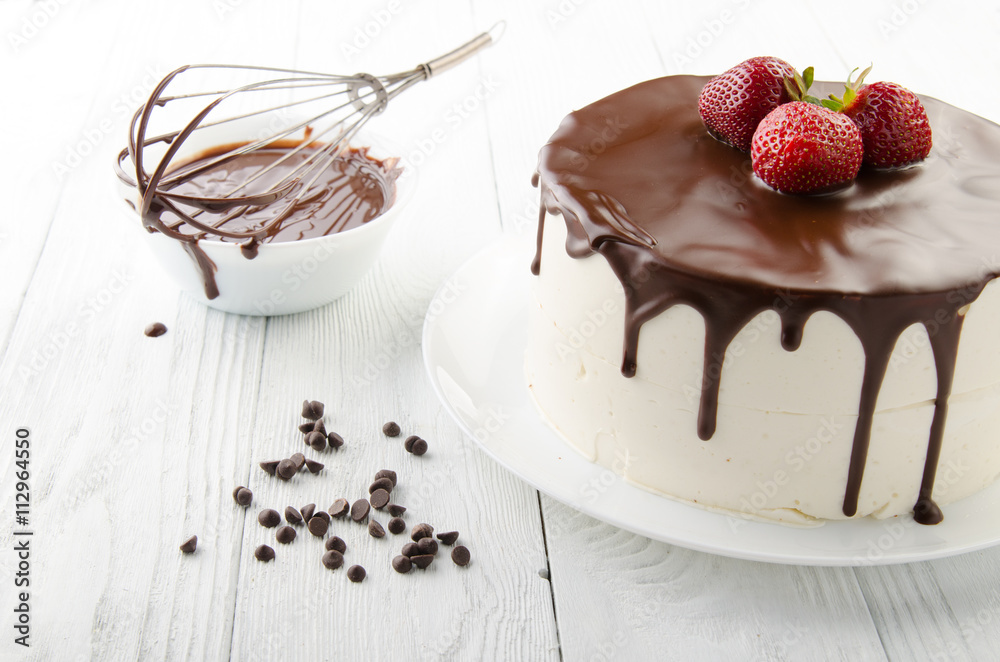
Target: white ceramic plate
473	343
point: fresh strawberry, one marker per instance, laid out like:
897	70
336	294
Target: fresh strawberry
893	123
801	147
733	103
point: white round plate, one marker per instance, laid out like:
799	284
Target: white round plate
474	341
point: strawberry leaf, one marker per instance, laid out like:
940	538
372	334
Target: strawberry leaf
807	77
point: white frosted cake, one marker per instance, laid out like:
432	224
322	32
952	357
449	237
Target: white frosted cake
782	357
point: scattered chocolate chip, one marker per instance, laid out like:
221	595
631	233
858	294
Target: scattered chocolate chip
422	560
408	443
396	510
387	473
317	440
335	440
336	543
300	461
307	427
333	559
307	511
460	555
269	518
270	466
236	491
421	531
381	484
359	510
318	426
410	549
390	429
313	410
190	545
339	508
292	516
318	526
419	447
375	529
264	553
379	499
396	525
427	546
314	467
323	514
544	573
243	496
356	574
286	469
285	535
448	538
402	564
157	329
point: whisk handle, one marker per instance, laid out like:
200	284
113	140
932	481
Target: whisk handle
463	52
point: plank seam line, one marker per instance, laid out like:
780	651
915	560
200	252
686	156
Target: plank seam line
871	615
548	569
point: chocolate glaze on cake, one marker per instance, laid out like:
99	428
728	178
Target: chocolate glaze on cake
681	219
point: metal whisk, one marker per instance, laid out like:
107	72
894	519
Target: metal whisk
333	110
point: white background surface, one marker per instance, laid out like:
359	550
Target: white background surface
137	443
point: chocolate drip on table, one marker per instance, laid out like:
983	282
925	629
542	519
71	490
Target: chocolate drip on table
681	220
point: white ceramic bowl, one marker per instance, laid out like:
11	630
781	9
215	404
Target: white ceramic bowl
285	277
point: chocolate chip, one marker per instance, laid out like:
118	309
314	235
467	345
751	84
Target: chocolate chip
460	555
318	526
396	525
292	516
359	510
307	427
402	564
390	429
157	329
375	529
339	508
422	560
314	467
419	447
325	515
300	461
264	553
285	535
333	559
336	543
448	538
427	546
381	484
269	518
387	473
286	469
410	549
408	443
317	440
335	440
307	511
313	410
395	509
421	531
243	496
318	426
270	466
379	499
190	545
356	574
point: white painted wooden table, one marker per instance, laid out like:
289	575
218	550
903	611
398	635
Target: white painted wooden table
136	443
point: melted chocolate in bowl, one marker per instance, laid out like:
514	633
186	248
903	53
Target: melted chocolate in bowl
353	190
638	179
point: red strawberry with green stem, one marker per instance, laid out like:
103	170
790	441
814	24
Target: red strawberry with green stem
893	123
733	103
801	147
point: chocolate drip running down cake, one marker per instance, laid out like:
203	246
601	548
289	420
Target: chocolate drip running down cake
793	358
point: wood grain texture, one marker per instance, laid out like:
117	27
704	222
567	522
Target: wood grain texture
139	442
